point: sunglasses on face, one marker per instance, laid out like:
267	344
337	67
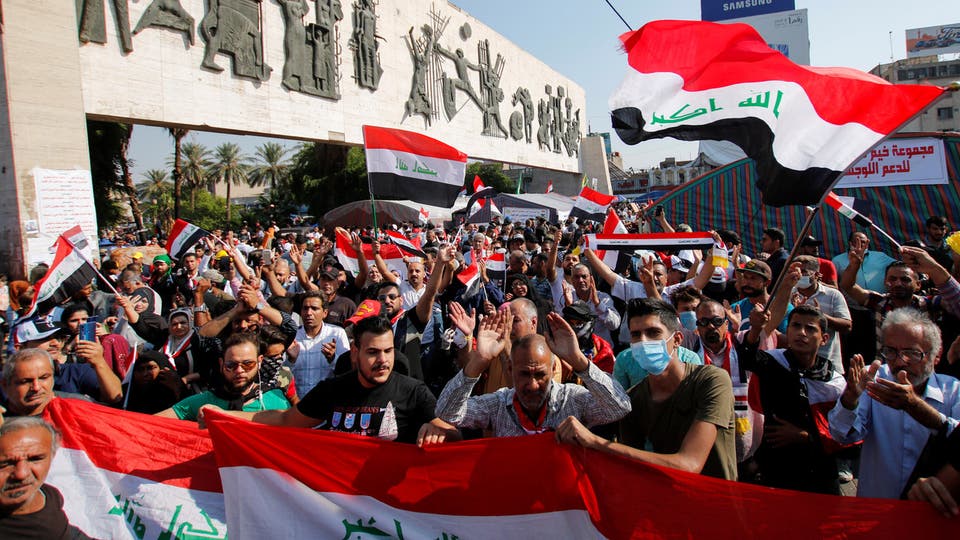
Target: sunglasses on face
245	365
715	322
384	297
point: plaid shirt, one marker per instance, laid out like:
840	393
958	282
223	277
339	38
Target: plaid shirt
600	400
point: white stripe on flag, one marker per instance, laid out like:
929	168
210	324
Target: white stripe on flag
425	168
296	511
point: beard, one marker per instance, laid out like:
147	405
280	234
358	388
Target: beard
750	292
713	337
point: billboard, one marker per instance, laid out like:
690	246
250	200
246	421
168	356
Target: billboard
722	10
787	32
933	40
899	162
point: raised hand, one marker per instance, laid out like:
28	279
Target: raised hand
563	342
461	320
857	378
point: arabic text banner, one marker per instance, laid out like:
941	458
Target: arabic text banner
899	162
325	485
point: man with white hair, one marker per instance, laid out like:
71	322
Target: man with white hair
29	508
906	403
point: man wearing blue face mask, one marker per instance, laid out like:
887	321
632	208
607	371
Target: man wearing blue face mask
682	414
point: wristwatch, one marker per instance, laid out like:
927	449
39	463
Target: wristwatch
202	308
260	307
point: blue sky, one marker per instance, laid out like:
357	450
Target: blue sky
578	38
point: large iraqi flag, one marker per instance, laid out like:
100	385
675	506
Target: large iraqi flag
299	483
183	236
127	475
803	125
408	165
69	272
591	204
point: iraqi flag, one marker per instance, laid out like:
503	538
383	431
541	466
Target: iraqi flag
649	242
131	475
390	253
183	236
846	207
477	183
410	247
497	267
549	187
617	260
76	236
364	488
69	272
424	215
408	165
803	125
591	205
470	277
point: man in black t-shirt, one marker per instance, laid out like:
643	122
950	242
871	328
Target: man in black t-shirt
371	400
28	507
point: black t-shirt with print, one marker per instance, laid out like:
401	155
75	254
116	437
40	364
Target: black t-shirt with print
395	410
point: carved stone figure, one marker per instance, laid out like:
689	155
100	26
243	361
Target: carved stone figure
322	35
297	64
233	27
543	117
490	90
420	52
516	125
572	140
522	95
167	14
556	126
366	57
462	82
93	25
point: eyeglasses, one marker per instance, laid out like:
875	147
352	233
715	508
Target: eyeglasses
245	365
384	297
715	322
910	355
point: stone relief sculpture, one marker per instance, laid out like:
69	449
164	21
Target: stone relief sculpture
556	126
516	125
322	36
167	14
462	82
233	27
522	96
421	51
93	24
543	117
366	56
298	64
490	90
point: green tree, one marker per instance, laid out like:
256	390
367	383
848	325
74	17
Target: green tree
229	167
110	171
270	166
156	192
325	176
196	162
178	134
492	176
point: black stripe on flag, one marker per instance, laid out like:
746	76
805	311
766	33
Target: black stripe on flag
388	185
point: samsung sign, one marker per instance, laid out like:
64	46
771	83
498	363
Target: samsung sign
721	10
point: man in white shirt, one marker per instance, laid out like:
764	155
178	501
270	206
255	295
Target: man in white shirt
316	346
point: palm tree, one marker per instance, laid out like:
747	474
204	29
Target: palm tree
270	166
230	167
156	192
178	134
196	161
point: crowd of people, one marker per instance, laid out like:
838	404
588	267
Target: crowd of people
737	362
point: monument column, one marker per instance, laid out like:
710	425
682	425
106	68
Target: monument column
42	121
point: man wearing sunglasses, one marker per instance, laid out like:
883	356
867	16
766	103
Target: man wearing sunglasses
906	403
239	388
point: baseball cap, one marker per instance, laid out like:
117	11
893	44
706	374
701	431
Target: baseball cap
136	255
810	241
366	309
757	267
682	265
578	311
328	275
38	328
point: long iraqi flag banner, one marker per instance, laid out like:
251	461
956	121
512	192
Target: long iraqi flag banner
803	125
363	488
131	475
347	256
127	475
408	165
648	241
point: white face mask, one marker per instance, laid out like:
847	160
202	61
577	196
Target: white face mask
805	282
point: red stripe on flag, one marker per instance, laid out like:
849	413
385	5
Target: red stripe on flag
173	452
408	141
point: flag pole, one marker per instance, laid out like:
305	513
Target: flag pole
373	204
793	253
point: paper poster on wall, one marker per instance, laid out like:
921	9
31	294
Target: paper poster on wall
899	162
64	199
